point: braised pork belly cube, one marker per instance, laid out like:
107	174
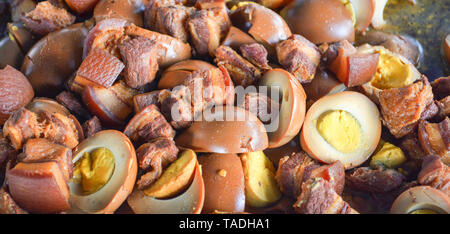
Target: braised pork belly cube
43	150
299	56
140	58
260	105
155	97
204	31
39	187
319	197
241	71
24	124
376	180
21	125
177	108
92	126
169	19
296	169
8	205
153	157
402	108
443	107
99	68
148	125
349	65
435	138
256	54
435	173
46	18
73	104
441	87
113	105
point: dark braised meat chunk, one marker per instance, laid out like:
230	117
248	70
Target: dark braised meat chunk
39	187
441	87
207	27
21	125
333	173
350	67
299	56
176	107
43	150
46	18
153	157
362	202
99	68
151	10
148	125
163	148
410	169
143	100
402	108
169	19
92	126
332	50
435	173
201	89
72	103
241	71
261	105
410	145
59	129
382	202
7	155
24	124
444	107
376	180
204	31
124	92
435	138
430	111
221	17
291	170
200	85
256	54
140	58
8	205
319	197
7	152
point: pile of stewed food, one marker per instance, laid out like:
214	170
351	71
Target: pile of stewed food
218	107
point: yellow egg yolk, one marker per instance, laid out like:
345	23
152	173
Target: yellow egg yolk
175	178
349	6
94	170
391	72
424	211
388	155
341	130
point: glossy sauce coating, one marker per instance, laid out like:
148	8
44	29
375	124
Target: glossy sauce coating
224	183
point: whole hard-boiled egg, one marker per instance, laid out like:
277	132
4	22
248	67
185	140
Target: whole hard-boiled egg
320	20
344	126
225	129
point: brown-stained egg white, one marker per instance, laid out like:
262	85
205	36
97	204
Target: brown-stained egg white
320	20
